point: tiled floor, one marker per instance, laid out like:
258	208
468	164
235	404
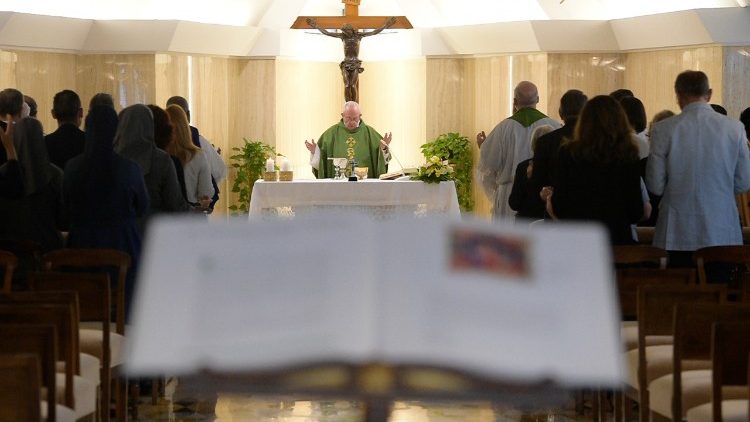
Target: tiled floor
231	408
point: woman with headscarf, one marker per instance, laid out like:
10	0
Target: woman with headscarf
105	194
135	140
38	215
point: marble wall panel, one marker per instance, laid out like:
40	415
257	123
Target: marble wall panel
592	73
42	75
736	84
130	78
7	69
171	73
392	97
309	97
651	74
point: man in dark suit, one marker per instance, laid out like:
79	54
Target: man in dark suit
68	140
547	146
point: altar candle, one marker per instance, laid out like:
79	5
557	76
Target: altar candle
285	166
270	165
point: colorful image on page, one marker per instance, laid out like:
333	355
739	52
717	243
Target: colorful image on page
491	253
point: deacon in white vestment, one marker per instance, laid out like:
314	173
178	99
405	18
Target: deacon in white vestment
508	144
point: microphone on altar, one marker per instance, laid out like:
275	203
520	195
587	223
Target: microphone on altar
394	157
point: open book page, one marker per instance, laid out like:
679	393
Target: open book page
255	296
501	301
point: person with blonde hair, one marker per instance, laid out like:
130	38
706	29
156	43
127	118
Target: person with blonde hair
198	186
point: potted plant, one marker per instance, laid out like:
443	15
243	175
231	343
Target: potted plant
456	150
250	162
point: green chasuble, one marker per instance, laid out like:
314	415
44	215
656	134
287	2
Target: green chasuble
362	144
527	116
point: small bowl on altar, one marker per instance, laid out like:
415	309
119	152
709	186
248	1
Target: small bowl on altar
361	172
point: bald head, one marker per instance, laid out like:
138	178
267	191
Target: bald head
525	95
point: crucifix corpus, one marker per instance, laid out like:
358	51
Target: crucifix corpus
353	29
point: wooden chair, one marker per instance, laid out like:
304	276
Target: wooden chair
97	259
729	352
640	254
645	235
687	387
20	387
28	253
93	290
41	341
61	310
8	263
737	254
655	318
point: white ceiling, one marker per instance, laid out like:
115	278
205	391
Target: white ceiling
422	13
260	28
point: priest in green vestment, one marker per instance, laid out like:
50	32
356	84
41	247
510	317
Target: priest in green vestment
350	138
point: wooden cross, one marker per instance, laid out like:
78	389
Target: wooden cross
351	16
353	29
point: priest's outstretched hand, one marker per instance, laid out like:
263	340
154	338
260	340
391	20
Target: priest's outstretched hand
387	139
311	145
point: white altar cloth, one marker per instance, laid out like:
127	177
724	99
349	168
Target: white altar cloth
373	196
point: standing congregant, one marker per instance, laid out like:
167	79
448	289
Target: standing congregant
507	145
699	160
68	140
353	139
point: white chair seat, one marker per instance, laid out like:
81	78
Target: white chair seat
731	411
84	392
658	362
629	335
696	390
91	342
62	413
90	368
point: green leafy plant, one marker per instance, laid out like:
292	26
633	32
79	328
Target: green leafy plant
250	162
455	149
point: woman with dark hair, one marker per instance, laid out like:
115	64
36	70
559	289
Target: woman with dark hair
598	174
38	214
105	194
636	113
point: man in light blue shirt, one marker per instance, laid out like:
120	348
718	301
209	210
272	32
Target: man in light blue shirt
699	160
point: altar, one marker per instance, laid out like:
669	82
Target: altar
378	198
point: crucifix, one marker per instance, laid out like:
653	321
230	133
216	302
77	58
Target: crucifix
353	29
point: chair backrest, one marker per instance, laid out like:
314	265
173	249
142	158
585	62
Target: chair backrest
15	311
656	305
656	314
729	352
735	254
93	298
20	387
640	254
95	259
8	263
630	279
39	340
645	235
693	323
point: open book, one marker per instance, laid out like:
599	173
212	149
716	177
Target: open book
501	301
393	175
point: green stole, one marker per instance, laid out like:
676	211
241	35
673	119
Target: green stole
527	116
362	143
